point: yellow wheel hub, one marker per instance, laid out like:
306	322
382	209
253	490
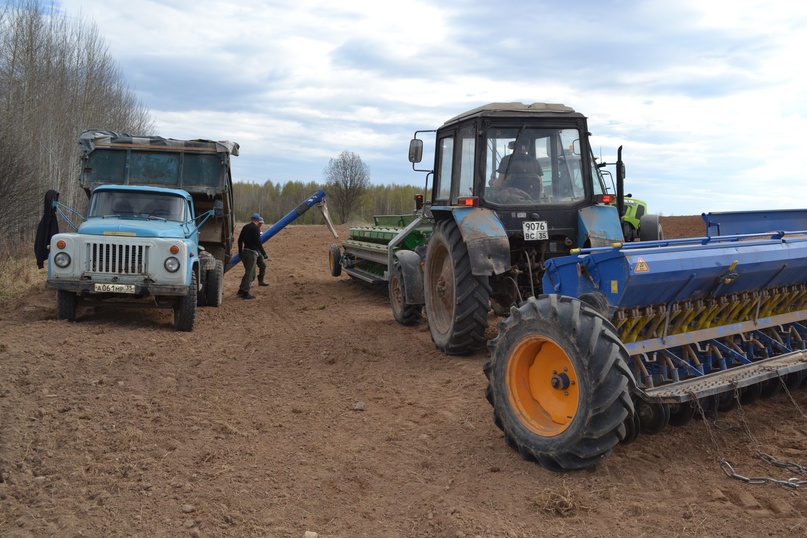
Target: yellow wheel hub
542	385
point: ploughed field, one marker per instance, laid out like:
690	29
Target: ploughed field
310	409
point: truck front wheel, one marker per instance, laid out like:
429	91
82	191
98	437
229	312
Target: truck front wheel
185	308
66	304
559	383
457	301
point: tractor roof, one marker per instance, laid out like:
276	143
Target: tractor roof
515	110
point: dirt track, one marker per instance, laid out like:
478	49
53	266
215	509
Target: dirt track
310	409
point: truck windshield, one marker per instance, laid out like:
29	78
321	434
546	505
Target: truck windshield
138	204
527	166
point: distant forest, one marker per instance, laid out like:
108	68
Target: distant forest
274	200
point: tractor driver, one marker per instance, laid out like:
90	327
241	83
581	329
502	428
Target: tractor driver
520	170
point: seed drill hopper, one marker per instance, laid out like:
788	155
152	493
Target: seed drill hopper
636	336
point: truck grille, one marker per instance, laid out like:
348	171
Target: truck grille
117	258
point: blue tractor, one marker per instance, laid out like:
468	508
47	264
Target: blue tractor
599	338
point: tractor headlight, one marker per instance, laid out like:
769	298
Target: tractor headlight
171	264
62	260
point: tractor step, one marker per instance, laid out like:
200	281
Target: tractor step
727	380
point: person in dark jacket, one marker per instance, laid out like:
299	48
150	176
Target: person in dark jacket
251	251
48	227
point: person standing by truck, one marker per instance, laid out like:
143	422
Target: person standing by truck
252	254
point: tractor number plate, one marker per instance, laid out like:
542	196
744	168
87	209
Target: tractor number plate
115	288
535	230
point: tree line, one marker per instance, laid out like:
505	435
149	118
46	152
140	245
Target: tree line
274	201
57	79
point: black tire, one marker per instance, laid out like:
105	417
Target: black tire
201	295
457	301
632	428
559	383
769	387
405	314
653	417
185	308
751	394
727	401
66	305
335	260
794	380
650	228
214	287
628	232
682	413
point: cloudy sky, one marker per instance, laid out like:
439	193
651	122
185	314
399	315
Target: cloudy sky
708	98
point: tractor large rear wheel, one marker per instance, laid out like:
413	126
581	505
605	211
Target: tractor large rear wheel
559	383
457	301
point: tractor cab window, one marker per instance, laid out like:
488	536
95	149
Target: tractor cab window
455	166
466	164
445	166
526	166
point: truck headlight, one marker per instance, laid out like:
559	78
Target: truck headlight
171	264
62	260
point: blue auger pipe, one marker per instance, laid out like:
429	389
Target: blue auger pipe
316	198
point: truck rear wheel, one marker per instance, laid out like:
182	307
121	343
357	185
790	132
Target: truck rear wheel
213	284
405	314
66	304
185	308
457	301
559	383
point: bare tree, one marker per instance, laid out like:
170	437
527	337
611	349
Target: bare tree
56	80
347	179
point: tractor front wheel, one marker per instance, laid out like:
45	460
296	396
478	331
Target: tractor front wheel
457	301
405	314
559	383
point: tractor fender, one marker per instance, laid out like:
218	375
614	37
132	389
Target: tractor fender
412	271
486	239
599	225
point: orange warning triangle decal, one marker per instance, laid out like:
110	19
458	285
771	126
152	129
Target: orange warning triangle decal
641	267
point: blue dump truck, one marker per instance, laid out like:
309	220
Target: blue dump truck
158	230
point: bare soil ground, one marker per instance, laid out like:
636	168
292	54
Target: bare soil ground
310	409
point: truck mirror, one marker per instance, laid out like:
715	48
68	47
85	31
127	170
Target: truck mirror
415	150
218	208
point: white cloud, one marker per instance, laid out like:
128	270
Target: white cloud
705	97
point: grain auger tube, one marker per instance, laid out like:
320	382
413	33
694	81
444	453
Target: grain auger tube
316	199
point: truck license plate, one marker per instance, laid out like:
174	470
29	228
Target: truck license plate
115	288
535	230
